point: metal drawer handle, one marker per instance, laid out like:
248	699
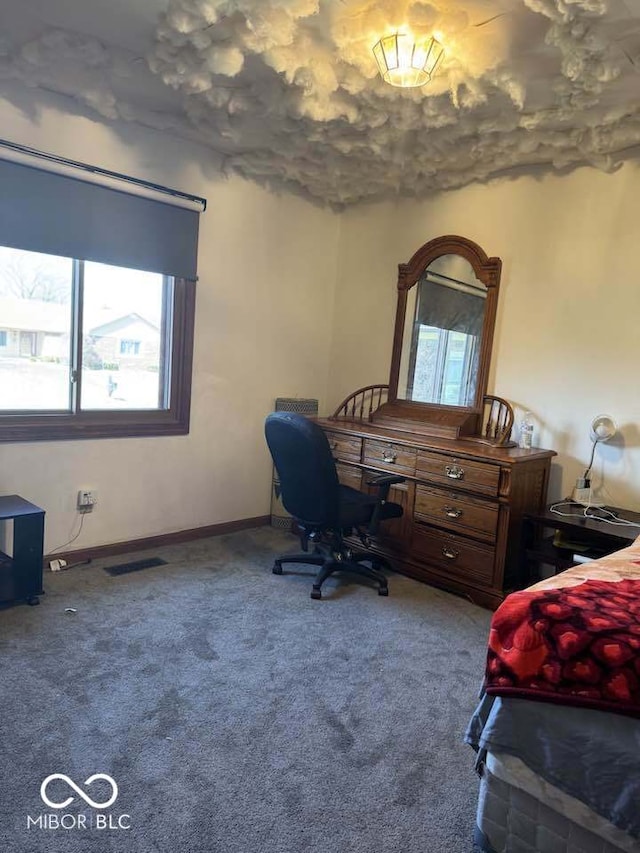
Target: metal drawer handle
454	472
389	456
450	554
452	512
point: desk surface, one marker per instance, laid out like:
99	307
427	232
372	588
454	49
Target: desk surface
13	506
573	518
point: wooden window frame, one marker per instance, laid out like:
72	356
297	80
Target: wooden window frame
124	423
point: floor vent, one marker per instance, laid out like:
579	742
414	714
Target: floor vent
125	568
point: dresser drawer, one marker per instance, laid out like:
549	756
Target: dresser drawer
454	555
457	512
458	473
392	457
345	446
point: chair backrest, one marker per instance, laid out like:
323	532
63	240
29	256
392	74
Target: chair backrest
305	466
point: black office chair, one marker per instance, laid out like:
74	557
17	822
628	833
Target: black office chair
324	510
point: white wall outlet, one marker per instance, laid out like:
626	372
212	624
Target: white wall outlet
87	499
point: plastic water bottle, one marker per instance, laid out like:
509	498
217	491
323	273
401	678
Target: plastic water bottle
526	431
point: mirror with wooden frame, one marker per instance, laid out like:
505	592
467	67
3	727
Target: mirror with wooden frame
445	318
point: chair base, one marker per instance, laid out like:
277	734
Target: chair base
344	560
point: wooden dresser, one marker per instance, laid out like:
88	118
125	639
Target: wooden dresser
467	487
463	503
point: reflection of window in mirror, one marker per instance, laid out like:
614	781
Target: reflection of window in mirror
441	340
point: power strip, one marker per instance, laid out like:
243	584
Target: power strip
585	497
581	496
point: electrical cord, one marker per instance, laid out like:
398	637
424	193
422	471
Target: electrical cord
585	476
607	517
72	539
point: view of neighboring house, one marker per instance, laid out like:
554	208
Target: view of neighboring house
32	328
129	340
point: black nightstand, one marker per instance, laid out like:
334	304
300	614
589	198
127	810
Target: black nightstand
574	534
21	573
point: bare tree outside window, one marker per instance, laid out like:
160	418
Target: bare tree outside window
31	275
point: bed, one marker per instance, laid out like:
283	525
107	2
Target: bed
557	730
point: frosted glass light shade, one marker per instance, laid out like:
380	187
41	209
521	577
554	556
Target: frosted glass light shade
405	61
603	427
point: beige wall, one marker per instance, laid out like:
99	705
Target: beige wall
567	326
267	268
293	300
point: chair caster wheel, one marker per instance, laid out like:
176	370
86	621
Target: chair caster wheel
277	569
383	590
316	593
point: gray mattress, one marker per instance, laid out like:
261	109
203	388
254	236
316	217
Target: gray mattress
592	756
511	820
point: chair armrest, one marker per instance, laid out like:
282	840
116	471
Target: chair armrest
385	480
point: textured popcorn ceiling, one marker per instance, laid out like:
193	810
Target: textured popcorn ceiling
286	92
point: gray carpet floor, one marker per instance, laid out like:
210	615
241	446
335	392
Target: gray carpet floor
235	714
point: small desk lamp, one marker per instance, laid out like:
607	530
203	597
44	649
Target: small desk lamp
603	427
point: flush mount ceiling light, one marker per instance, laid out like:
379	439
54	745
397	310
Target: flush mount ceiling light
407	61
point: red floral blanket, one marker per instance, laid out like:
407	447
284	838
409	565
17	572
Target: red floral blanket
575	645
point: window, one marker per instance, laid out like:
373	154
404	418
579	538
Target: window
96	306
91	350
